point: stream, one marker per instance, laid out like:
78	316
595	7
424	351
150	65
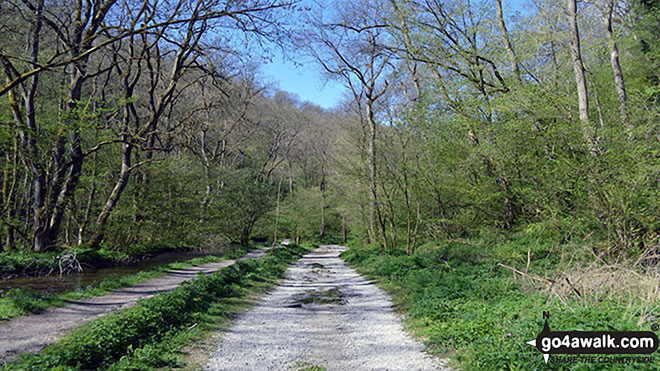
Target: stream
58	284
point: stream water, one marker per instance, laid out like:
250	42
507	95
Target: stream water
57	284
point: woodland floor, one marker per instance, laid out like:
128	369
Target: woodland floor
32	333
322	316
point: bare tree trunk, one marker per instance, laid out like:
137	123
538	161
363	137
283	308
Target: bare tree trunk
277	209
414	244
599	108
207	178
373	204
39	208
119	187
245	237
64	187
616	67
372	173
513	59
408	226
321	190
83	225
343	229
8	196
290	179
393	236
578	69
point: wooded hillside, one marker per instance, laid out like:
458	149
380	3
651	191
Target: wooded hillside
140	121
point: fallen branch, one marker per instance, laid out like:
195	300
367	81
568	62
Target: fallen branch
528	275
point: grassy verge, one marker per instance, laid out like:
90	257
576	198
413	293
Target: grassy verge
191	348
143	337
19	302
467	306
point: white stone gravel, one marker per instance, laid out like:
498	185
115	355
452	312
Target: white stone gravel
279	333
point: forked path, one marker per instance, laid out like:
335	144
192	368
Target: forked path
31	333
322	314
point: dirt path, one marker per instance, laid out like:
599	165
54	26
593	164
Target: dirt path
322	314
33	333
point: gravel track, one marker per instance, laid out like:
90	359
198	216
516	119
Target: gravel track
300	324
29	334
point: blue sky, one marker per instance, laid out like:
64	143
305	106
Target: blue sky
305	79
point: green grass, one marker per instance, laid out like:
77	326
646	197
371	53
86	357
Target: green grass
190	348
19	302
306	366
149	335
470	309
330	296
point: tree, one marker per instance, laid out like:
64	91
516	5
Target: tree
89	43
350	47
242	203
580	79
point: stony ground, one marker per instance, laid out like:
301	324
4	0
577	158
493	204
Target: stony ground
322	314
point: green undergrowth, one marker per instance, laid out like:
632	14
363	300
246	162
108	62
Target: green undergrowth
21	301
467	307
306	366
148	335
330	296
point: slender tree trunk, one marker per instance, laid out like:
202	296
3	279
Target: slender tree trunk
290	179
70	175
343	229
580	80
277	209
6	202
83	225
207	178
9	196
599	108
513	59
245	237
619	83
417	219
371	153
27	131
393	235
371	149
119	187
321	190
408	226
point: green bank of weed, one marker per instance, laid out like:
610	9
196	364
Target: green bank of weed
137	332
467	306
27	263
